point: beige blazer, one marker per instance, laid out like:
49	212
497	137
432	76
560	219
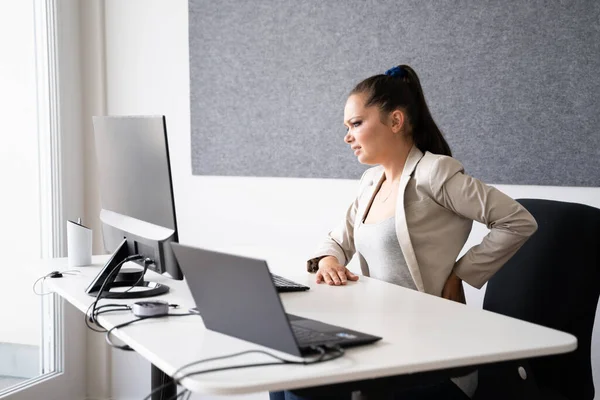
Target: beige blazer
435	209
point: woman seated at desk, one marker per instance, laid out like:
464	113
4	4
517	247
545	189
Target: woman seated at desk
414	211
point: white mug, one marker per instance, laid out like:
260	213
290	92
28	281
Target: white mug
79	244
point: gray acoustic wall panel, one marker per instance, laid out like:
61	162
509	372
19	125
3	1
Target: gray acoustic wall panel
514	85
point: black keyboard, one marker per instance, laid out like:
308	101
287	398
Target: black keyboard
307	337
285	285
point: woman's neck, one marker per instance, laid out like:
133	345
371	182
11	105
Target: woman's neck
395	165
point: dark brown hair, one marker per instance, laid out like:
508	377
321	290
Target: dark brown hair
402	90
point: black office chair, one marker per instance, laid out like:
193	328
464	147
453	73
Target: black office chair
551	281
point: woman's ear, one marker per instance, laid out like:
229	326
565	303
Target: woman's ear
397	119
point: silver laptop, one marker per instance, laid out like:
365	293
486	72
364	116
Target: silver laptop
236	296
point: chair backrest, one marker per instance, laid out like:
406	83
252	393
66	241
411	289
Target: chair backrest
553	281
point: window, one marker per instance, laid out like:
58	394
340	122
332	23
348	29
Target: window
33	361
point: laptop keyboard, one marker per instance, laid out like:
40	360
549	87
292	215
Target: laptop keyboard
307	336
285	285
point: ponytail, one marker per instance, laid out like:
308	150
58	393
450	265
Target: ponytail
400	88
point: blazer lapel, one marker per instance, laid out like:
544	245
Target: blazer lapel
412	160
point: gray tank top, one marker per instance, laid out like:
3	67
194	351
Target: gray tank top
378	245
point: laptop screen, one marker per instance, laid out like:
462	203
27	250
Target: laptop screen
236	296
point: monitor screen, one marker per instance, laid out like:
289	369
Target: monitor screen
136	190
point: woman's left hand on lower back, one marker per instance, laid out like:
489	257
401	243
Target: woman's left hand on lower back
453	289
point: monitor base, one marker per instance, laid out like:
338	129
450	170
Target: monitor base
151	289
107	277
130	275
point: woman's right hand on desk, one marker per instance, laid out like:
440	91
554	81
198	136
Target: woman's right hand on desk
333	273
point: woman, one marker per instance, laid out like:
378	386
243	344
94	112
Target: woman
414	211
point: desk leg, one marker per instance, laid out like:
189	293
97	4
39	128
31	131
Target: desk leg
159	378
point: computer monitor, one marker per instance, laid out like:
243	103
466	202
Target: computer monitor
137	206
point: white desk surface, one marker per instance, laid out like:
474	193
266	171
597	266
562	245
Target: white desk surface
420	333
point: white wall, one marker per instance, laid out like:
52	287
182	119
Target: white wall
93	102
279	219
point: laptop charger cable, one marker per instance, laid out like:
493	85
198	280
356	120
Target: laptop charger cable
323	351
141	309
155	308
160	309
124	324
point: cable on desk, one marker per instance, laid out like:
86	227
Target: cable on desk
323	351
124	324
147	262
105	308
108	278
320	359
182	394
53	274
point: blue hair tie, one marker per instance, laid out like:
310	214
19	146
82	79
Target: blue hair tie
396	72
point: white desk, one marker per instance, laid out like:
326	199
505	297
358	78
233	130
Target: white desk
420	333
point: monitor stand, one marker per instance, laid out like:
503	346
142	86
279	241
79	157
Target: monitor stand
109	275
